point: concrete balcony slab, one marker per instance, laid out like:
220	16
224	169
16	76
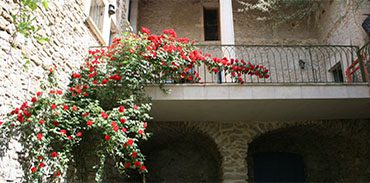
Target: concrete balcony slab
234	102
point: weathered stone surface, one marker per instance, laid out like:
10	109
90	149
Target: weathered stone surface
70	38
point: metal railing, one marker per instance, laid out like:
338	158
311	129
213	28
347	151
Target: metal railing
288	63
364	58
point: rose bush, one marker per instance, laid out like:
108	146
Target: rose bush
106	97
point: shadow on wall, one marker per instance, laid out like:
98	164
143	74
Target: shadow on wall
177	153
331	152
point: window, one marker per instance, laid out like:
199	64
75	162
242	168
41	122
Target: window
337	73
129	10
97	13
211	27
100	20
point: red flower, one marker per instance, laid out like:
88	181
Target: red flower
130	142
39	93
69	137
142	168
53	106
39	136
51	70
65	107
145	124
122	120
40	157
33	169
137	163
26	113
140	132
107	137
34	99
76	75
59	92
42	121
15	111
104	115
55	123
115	77
57	173
136	107
85	114
42	164
1	122
105	81
95	82
20	118
54	154
115	128
170	32
145	30
121	109
89	123
127	165
64	132
74	108
79	134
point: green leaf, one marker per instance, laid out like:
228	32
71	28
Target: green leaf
45	4
42	40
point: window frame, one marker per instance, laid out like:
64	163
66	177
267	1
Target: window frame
108	22
217	9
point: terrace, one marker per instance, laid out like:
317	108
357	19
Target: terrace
328	80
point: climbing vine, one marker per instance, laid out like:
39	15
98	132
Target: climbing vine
25	22
106	99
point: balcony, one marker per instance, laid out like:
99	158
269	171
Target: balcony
306	83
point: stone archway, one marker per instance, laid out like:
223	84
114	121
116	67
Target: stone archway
335	151
180	153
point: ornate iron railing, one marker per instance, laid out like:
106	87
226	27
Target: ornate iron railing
288	63
292	63
364	58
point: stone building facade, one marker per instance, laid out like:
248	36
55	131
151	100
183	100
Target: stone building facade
329	147
71	36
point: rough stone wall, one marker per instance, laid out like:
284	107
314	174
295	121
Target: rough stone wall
249	30
340	22
70	39
336	142
121	16
340	149
333	150
186	17
335	22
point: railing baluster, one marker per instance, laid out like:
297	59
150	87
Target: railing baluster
284	65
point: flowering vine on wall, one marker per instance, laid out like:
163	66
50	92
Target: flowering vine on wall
53	122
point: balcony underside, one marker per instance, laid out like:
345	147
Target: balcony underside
231	102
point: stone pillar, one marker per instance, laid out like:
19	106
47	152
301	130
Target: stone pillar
134	15
227	32
227	22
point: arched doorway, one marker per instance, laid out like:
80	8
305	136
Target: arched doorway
178	153
329	152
